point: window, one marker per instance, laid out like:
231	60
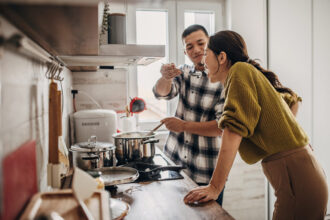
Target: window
203	18
151	29
162	23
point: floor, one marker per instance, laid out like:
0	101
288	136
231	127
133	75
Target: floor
244	196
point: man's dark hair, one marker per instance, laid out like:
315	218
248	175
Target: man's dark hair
193	28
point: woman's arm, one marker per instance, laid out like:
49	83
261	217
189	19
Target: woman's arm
294	108
229	147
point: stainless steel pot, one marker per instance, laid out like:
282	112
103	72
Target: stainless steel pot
93	154
132	146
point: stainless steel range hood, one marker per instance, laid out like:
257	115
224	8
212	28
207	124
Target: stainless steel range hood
118	55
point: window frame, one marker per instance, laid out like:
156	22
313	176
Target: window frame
175	13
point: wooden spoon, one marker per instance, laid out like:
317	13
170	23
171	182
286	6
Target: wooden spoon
153	130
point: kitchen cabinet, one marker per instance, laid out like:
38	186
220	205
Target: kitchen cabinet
59	29
70	32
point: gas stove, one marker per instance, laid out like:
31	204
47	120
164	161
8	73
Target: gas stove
160	160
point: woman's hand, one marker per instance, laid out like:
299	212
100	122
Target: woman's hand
202	194
228	150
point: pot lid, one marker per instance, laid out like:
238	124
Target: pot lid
92	146
134	135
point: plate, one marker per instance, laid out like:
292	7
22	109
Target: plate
118	175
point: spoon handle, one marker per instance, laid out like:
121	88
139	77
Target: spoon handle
152	131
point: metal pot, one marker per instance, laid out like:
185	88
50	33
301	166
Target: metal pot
132	146
93	154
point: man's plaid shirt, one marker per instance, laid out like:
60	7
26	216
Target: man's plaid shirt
199	101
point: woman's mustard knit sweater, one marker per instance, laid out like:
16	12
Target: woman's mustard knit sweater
257	112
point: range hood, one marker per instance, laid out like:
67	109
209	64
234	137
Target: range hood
118	55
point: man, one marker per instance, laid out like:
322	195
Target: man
194	134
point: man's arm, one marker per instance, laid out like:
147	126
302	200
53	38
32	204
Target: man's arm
208	128
164	84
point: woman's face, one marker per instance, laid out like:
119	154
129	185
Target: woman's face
212	65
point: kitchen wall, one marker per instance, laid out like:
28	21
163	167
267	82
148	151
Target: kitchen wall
245	194
108	87
24	104
299	33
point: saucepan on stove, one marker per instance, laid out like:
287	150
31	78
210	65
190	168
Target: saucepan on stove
93	154
132	146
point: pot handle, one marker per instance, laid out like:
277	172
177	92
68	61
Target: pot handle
150	141
92	141
92	157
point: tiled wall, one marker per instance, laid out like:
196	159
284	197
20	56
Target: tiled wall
24	104
108	87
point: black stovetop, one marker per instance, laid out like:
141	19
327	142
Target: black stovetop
158	159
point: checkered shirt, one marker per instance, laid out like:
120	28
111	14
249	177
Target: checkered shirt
199	101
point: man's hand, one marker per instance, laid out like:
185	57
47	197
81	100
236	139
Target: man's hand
174	124
169	71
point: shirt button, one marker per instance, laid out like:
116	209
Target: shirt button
187	142
192	91
185	157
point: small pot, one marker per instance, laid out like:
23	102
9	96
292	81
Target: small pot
131	146
93	154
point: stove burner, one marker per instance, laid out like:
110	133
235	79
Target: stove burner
157	161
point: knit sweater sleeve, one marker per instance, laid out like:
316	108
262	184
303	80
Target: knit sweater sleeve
241	109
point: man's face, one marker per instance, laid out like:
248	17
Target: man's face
195	44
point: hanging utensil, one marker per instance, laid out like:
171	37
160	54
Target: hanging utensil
137	105
53	124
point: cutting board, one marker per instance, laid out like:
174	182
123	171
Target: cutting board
64	203
19	170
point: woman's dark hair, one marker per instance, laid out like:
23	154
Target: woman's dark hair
193	28
234	46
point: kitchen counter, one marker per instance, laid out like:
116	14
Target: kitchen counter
164	200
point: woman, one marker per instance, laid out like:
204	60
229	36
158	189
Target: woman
257	122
